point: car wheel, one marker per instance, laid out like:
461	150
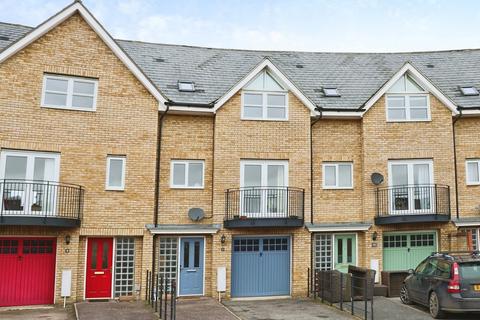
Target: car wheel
434	306
404	296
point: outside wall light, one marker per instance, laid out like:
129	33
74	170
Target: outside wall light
374	236
223	239
68	238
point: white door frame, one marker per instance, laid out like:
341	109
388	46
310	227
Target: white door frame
410	182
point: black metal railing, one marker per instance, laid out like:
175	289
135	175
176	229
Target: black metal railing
161	295
350	292
264	202
413	200
41	199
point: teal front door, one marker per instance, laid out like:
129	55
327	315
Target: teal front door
345	252
191	266
403	251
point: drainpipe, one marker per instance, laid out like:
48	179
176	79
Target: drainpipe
311	160
455	119
156	197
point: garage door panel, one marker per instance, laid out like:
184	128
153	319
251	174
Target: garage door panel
28	271
260	267
405	251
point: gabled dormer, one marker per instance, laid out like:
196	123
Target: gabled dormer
263	98
406	100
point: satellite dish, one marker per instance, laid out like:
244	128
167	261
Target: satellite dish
377	178
196	214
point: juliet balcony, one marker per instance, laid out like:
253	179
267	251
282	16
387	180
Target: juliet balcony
412	203
257	207
40	203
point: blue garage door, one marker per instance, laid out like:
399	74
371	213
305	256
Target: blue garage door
261	266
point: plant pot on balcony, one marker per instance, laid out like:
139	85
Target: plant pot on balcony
243	217
293	217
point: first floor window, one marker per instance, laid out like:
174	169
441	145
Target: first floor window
124	266
323	251
69	92
338	175
473	172
115	173
187	174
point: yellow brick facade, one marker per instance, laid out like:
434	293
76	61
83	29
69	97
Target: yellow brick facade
124	123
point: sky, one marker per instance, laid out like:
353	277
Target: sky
300	25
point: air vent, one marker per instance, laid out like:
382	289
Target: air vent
4	38
430	66
159	60
299	66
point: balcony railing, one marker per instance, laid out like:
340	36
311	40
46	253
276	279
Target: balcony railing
412	203
40	203
264	206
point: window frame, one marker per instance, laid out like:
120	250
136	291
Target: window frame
70	81
336	165
187	167
265	105
107	176
407	107
30	155
467	180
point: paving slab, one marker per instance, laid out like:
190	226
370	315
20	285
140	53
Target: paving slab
285	309
203	309
50	313
113	310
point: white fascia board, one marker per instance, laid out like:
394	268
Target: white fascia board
277	74
470	113
341	115
422	81
63	15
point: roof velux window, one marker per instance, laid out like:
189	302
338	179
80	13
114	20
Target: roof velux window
331	92
186	86
469	91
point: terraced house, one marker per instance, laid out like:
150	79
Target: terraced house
217	166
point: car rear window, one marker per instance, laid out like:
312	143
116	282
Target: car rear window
470	270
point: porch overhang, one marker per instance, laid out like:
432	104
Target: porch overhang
467	222
411	218
338	227
183	228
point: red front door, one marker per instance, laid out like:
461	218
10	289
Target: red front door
99	268
27	271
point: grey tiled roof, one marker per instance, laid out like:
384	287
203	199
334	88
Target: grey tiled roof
356	75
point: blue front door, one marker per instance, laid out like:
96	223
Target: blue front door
191	266
261	266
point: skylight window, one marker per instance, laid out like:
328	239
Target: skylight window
186	86
331	92
469	91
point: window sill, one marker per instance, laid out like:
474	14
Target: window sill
337	188
473	184
186	188
69	108
263	119
403	121
115	189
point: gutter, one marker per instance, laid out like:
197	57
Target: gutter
455	119
171	103
320	110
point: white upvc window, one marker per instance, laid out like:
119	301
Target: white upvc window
338	175
115	177
187	174
264	99
67	92
473	171
407	101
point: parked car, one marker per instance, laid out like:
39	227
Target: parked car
445	282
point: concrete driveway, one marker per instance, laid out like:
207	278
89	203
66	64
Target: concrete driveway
43	313
392	308
285	309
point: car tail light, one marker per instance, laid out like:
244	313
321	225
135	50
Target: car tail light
454	283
